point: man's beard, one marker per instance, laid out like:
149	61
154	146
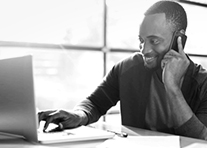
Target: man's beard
158	64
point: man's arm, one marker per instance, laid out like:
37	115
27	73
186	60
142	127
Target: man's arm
103	98
185	121
196	126
90	109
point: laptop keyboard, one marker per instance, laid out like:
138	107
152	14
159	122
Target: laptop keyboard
56	133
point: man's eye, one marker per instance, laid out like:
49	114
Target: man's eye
141	40
155	41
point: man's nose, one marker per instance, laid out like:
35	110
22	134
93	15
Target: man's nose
146	48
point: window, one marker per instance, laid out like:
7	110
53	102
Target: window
68	38
124	18
44	29
196	29
74	22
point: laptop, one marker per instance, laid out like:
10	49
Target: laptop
18	109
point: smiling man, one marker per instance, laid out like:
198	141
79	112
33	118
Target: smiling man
158	89
155	36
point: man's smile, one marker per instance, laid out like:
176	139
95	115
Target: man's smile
150	59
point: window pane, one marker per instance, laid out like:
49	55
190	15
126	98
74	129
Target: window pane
115	57
62	77
124	18
76	22
200	60
196	30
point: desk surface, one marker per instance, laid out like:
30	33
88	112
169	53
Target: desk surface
13	143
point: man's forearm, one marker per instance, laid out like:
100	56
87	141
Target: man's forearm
83	117
192	128
91	114
185	121
181	111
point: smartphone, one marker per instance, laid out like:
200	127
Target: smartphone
174	42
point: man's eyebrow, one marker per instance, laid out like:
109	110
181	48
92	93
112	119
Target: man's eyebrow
150	36
153	36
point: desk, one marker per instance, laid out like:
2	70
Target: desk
14	143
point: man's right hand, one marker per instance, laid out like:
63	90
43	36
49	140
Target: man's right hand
64	119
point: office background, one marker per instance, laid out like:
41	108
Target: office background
74	43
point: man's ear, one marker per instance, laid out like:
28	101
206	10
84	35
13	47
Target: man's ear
182	31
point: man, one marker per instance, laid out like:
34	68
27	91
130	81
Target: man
158	89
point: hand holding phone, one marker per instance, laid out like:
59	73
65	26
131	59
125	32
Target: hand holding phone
174	41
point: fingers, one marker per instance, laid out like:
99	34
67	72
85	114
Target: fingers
53	117
56	129
163	63
180	46
169	56
42	116
60	126
180	49
173	53
61	118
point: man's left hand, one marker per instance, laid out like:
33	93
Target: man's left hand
175	67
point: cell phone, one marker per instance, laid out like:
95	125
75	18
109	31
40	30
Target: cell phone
174	42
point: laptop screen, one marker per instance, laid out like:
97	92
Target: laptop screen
17	103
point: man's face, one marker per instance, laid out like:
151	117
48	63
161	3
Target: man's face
155	36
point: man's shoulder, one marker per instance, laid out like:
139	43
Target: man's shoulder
131	61
200	73
200	78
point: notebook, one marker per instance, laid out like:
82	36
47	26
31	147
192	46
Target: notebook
18	110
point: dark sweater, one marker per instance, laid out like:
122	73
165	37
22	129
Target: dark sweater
139	89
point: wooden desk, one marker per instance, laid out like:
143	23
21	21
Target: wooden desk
14	143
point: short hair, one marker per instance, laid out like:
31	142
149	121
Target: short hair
174	13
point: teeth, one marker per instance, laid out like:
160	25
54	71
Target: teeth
147	59
150	58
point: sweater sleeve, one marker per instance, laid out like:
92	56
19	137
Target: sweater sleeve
196	96
193	128
102	99
196	126
90	110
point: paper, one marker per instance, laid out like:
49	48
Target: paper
197	145
142	142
